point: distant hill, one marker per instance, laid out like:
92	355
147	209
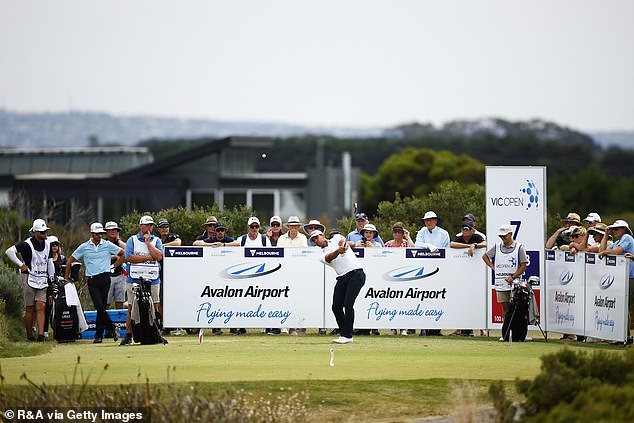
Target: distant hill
77	129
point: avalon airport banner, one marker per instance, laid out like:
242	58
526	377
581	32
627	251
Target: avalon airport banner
587	294
208	287
408	288
516	196
289	287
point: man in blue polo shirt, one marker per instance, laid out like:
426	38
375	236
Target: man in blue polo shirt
96	253
143	251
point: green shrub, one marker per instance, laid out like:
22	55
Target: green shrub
574	386
10	292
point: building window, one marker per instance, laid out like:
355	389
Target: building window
202	199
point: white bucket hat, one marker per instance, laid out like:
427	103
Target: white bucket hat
621	224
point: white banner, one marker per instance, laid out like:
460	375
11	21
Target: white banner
565	285
516	195
409	288
607	282
243	287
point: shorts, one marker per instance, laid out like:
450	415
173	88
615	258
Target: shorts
30	294
503	296
155	293
117	289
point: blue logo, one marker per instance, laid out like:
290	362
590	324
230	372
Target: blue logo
184	251
250	270
424	253
533	194
359	252
590	258
408	273
550	255
566	277
606	281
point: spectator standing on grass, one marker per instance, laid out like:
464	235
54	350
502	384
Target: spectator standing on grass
116	292
400	239
510	263
96	253
624	245
143	251
59	261
36	269
350	280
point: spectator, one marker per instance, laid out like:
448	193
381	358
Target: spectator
595	233
143	251
355	236
510	263
469	239
116	292
591	220
275	230
369	234
36	269
59	262
293	238
470	218
311	226
400	239
168	239
575	236
558	238
252	238
219	239
624	245
96	253
431	236
209	225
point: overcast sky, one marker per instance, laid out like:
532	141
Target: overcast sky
353	63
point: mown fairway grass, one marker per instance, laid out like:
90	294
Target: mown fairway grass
376	378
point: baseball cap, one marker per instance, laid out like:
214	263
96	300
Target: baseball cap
466	225
470	217
220	225
276	219
592	217
52	239
572	217
252	220
163	223
97	228
146	220
39	225
112	225
361	216
505	229
315	233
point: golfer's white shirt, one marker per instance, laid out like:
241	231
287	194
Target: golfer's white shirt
344	263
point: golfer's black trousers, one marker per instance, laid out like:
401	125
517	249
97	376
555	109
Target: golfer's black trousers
346	291
98	287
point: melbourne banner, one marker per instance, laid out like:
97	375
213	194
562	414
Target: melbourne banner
516	196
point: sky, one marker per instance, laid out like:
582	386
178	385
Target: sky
345	63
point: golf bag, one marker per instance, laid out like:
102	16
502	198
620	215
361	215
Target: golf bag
143	318
63	317
516	318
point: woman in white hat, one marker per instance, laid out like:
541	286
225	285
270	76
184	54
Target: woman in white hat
368	233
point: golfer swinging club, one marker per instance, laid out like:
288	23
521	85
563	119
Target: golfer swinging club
350	279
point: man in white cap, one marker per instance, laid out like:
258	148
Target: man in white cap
624	245
96	253
143	251
275	230
431	236
591	220
35	270
350	280
510	263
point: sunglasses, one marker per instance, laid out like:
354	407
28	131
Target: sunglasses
275	224
254	226
220	230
